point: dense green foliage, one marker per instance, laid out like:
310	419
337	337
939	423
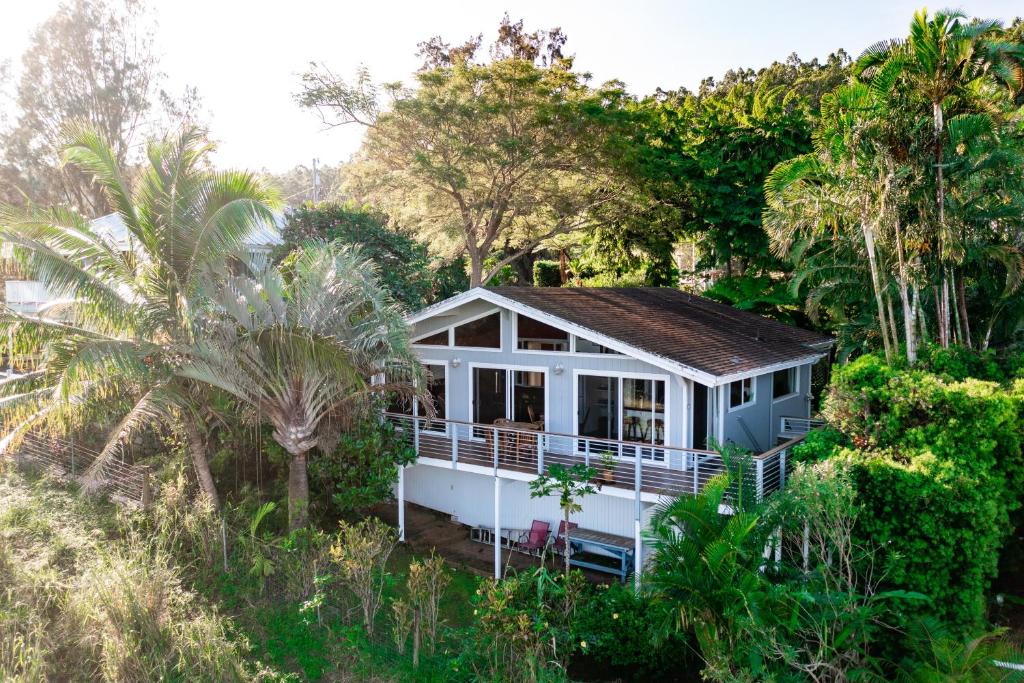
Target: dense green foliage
406	268
547	274
938	468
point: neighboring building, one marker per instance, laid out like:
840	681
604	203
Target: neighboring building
641	383
29	296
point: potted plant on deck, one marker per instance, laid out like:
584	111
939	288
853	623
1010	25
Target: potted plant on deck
607	460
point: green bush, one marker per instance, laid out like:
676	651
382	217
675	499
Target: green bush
622	631
939	471
361	471
547	274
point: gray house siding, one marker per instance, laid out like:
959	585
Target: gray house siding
560	383
761	418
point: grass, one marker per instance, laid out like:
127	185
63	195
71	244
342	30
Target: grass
78	602
88	593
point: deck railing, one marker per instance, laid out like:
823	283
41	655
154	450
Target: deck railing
797	426
630	465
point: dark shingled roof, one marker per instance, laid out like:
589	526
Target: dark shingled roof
685	328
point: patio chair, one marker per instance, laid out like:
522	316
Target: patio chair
534	541
559	544
526	443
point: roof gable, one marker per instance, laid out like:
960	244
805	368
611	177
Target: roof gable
684	333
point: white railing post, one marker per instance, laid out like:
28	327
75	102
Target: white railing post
540	454
760	479
638	548
416	434
696	473
782	468
497	526
401	503
586	452
455	446
494	432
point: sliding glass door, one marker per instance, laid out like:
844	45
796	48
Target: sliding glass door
508	394
630	409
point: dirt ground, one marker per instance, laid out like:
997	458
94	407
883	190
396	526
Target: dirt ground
426	529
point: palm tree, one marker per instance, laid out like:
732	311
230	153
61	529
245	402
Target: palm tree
108	343
308	346
947	61
705	565
843	184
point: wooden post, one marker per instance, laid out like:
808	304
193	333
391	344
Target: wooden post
147	488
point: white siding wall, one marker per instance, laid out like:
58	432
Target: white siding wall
470	498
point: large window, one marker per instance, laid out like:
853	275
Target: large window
621	409
784	383
741	393
484	333
436	339
436	389
508	394
533	335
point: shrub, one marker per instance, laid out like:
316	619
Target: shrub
623	633
360	554
547	274
361	471
938	468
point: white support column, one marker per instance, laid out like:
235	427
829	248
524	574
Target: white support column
401	503
497	527
639	544
722	392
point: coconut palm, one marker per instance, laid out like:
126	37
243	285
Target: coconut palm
108	342
308	346
947	61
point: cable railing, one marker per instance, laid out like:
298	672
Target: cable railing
796	426
635	466
124	482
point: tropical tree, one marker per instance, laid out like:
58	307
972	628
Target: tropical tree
489	160
308	350
570	484
109	342
950	63
705	567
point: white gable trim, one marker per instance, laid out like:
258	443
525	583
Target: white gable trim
604	340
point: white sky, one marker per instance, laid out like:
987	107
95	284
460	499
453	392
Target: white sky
245	56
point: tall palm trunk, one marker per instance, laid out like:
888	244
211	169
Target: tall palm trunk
961	302
197	449
908	315
869	244
298	492
940	201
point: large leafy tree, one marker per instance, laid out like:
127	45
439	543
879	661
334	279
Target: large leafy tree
91	62
406	269
482	158
307	352
110	341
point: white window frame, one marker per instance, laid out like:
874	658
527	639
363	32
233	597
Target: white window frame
515	336
508	367
447	392
796	385
576	374
486	349
753	394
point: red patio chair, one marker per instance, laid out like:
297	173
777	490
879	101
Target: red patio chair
534	540
559	543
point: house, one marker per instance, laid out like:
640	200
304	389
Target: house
31	296
640	383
